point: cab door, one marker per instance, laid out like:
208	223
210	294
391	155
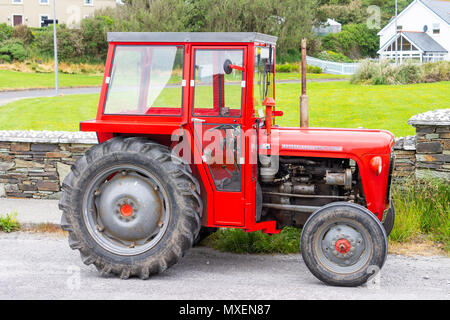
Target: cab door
216	118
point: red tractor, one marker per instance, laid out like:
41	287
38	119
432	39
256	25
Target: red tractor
188	144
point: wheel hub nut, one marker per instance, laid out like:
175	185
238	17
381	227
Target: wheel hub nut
343	246
126	210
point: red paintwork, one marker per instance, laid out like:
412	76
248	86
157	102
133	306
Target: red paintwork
236	209
343	246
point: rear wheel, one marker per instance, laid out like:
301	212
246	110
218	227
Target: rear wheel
342	244
130	208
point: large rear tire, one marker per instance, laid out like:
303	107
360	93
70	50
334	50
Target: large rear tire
343	244
130	208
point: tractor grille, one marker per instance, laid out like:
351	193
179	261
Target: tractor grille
391	169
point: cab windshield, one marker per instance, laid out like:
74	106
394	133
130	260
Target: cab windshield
264	77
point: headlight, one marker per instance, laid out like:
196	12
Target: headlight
376	164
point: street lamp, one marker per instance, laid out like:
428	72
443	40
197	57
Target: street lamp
55	47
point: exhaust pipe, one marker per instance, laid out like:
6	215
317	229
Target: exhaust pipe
304	115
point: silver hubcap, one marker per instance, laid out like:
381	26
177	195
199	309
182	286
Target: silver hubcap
343	247
126	210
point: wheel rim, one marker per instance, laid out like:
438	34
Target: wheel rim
126	209
343	246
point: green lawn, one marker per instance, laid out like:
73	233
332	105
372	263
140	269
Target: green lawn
331	104
20	80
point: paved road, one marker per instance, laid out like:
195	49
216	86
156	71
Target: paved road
42	266
10	96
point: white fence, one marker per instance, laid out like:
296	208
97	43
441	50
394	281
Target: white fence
333	67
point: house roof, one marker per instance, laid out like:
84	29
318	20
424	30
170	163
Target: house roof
190	37
439	7
424	41
421	40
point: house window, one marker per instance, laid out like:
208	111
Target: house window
88	2
399	28
43	17
44	2
16	1
436	28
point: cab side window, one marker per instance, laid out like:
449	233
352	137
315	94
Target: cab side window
216	93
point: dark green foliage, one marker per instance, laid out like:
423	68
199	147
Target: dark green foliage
93	32
6	31
355	41
13	48
333	56
70	43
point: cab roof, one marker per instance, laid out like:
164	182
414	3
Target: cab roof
211	37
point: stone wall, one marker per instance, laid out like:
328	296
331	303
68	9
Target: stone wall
33	164
405	157
432	144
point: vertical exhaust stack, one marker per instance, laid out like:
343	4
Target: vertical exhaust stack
304	114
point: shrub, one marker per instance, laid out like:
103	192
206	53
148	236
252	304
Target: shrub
93	32
6	31
9	223
4	58
436	71
313	69
287	67
374	72
22	32
70	43
14	49
333	56
355	41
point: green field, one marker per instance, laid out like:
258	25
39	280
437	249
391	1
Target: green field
10	80
331	104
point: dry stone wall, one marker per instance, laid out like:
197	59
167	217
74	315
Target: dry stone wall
33	164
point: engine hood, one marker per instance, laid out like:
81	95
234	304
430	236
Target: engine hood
324	142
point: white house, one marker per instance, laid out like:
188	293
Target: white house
330	26
423	32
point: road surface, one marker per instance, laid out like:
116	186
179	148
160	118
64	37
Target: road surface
42	266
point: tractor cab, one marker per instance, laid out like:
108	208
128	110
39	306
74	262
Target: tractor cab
209	87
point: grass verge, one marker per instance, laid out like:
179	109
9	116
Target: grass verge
8	222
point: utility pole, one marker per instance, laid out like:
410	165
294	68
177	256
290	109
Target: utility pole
304	117
55	47
396	32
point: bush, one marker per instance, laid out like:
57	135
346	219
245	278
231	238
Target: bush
93	32
313	69
23	33
4	58
333	56
9	223
371	72
287	67
6	32
436	71
355	41
70	43
14	49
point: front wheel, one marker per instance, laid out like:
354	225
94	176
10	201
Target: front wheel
342	244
